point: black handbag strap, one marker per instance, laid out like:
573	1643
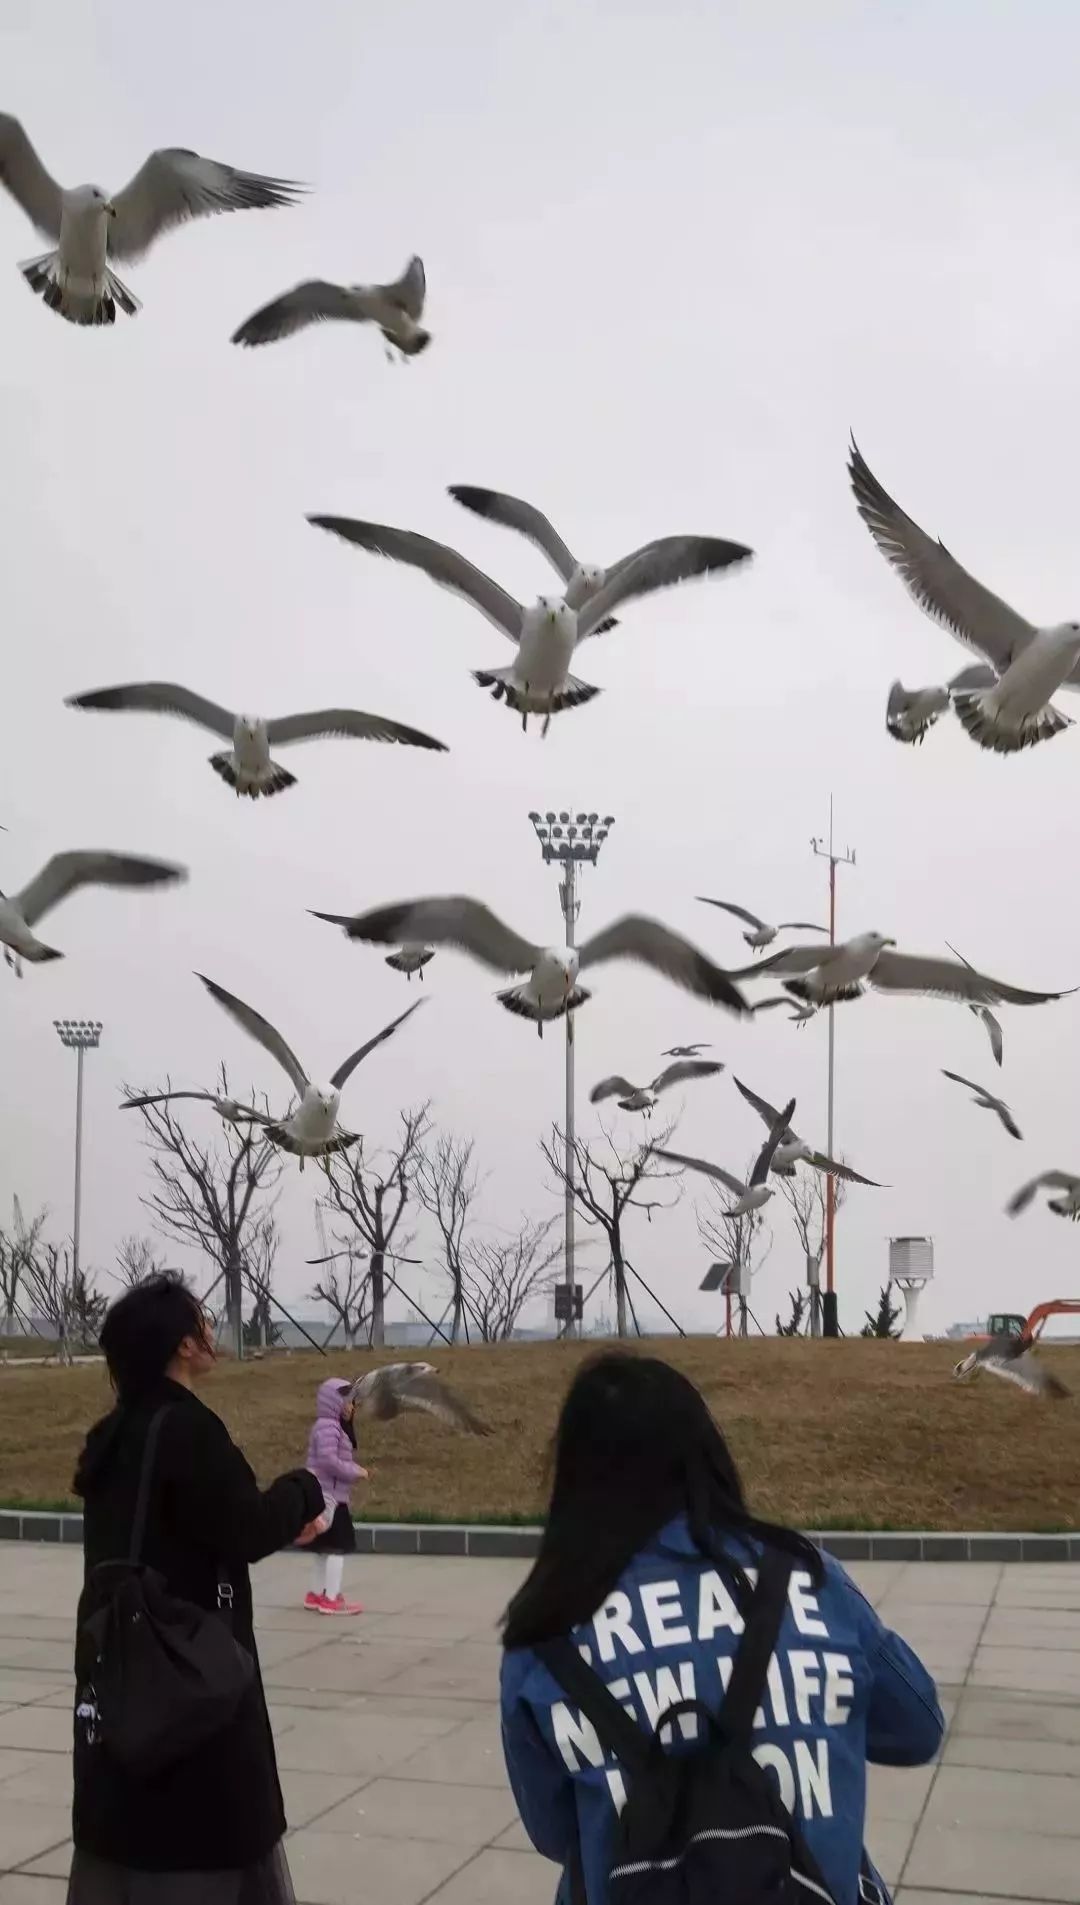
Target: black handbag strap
142	1499
757	1646
615	1730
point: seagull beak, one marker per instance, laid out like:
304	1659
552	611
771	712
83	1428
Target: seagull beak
110	209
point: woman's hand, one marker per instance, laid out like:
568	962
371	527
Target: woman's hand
312	1532
365	1474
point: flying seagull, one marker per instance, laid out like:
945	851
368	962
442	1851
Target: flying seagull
800	1014
910	713
230	1109
65	873
1068	1205
312	1130
583	579
1013	1358
245	764
792	1149
987	1102
687	1051
761	933
1030	663
539	680
838	972
411	958
643	1097
397	1388
551	988
396	308
750	1196
90	228
983	1012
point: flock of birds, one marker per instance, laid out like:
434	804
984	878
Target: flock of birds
1003	702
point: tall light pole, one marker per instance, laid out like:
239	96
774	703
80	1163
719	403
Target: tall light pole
828	1303
569	841
79	1035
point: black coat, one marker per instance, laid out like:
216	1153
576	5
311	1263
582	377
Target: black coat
222	1808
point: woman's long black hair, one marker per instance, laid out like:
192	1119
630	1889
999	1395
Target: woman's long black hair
635	1447
141	1334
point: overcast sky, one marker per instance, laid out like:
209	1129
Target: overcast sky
673	253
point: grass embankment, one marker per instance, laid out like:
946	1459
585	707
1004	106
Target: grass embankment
847	1434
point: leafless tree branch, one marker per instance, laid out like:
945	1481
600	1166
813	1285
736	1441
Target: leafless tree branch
370	1195
605	1184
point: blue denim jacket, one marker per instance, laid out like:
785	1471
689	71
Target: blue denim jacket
842	1689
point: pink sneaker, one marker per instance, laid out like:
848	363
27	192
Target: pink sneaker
314	1602
340	1606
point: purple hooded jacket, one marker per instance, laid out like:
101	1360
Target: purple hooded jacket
329	1451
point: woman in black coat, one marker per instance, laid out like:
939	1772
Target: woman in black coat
207	1831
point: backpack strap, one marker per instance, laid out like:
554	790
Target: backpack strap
142	1499
615	1730
757	1646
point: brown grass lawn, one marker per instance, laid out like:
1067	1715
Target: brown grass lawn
828	1435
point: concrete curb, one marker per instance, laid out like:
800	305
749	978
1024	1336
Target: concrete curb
522	1543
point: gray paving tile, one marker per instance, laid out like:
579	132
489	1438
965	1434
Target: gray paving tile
956	1582
1033	1627
888	1842
1009	1865
18	1888
352	1666
514	1839
355	1742
56	1863
307	1795
495	1878
986	1716
1027	1670
27	1830
977	1796
470	1756
907	1895
897	1792
330	1868
1013	1756
47	1781
469	1816
46	1729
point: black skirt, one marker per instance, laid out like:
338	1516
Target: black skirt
99	1882
340	1537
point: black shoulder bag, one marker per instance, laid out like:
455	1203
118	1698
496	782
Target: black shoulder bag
166	1674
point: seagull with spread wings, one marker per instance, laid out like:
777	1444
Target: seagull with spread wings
1030	663
89	227
312	1129
687	1051
761	934
841	971
66	873
1014	1359
986	1101
910	713
793	1150
1067	1205
396	308
551	989
245	765
399	1388
230	1109
546	634
983	1013
644	1097
751	1196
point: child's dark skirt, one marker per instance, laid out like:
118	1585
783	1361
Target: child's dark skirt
340	1537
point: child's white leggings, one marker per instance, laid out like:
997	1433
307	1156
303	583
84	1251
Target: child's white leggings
329	1574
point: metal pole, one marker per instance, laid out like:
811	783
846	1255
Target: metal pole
78	1157
568	895
828	1303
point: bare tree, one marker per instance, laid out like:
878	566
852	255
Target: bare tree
261	1331
605	1186
502	1274
63	1297
807	1200
371	1194
446	1185
136	1260
343	1287
213	1198
794	1324
744	1240
16	1247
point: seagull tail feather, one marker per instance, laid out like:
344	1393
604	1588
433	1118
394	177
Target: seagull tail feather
38	955
273	781
78	299
502	686
985	727
517	1000
800	989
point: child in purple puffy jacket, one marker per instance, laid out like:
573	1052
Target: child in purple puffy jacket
330	1457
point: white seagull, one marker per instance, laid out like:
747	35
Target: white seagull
1068	1205
793	1150
761	934
986	1101
687	1051
396	308
397	1388
539	680
552	988
839	972
983	1013
246	765
1030	663
65	873
910	713
230	1109
411	958
89	227
751	1196
312	1130
644	1097
583	579
1013	1358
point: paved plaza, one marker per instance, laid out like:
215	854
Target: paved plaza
388	1733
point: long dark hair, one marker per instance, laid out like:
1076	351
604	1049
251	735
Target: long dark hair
143	1330
635	1447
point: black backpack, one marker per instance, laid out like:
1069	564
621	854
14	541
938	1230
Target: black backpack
705	1827
158	1675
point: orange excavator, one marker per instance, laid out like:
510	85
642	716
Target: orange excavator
1025	1330
1007	1345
